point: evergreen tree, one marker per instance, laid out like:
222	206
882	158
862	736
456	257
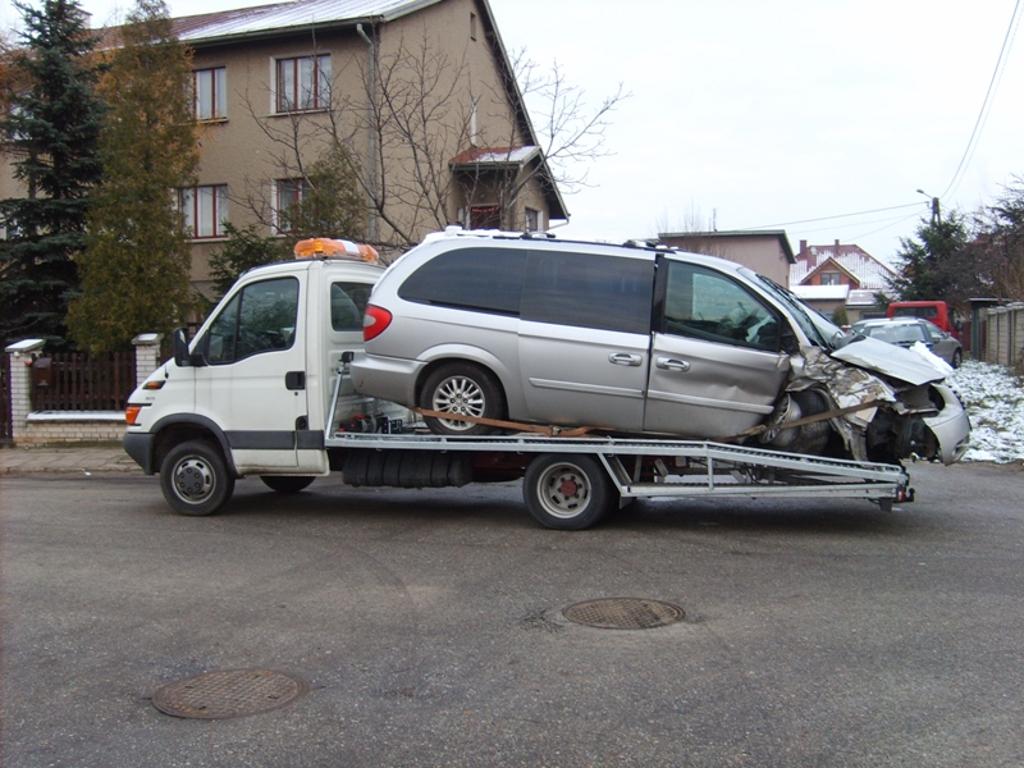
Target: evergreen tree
135	269
51	128
244	249
332	204
1000	242
937	264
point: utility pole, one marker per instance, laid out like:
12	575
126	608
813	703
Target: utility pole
936	212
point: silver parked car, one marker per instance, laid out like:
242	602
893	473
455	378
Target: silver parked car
638	339
906	332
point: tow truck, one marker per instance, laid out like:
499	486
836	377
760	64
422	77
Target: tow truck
264	390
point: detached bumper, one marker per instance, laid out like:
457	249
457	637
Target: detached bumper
140	446
951	426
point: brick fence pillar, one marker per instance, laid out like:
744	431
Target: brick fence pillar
22	353
147	355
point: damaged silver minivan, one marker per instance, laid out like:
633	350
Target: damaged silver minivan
637	339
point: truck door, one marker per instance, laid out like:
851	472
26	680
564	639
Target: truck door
716	360
253	384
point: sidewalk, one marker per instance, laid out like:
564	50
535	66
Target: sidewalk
94	458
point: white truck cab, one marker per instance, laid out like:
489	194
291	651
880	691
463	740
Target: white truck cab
251	393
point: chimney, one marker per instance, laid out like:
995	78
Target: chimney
837	244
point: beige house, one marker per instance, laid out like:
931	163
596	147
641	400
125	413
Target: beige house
830	277
767	252
419	96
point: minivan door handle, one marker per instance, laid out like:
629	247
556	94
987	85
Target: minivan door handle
295	380
672	364
625	358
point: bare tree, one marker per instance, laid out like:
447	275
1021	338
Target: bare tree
427	137
692	220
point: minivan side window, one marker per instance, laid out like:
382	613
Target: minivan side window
482	279
607	292
259	318
703	304
348	303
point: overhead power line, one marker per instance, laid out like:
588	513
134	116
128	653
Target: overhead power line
890	225
972	142
838	216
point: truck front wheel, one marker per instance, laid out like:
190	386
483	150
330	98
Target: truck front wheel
568	491
195	479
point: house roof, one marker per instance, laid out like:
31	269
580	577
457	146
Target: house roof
821	292
872	274
858	298
277	17
477	156
831	264
492	158
747	234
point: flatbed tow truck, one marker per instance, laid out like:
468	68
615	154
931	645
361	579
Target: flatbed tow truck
263	390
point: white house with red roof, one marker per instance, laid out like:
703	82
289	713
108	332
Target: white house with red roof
831	276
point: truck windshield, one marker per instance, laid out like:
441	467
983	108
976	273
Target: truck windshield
821	331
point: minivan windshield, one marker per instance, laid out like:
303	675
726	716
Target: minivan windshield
821	331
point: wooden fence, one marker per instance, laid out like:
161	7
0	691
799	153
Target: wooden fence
75	381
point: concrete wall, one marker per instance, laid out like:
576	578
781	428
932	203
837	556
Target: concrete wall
1004	336
71	431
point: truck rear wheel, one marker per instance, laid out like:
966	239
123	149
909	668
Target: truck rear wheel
568	491
195	479
287	483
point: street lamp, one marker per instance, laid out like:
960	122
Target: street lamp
936	215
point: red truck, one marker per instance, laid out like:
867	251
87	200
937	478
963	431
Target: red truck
938	312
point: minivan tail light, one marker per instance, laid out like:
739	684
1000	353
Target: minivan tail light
375	321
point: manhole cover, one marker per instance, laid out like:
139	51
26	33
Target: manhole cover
624	613
228	693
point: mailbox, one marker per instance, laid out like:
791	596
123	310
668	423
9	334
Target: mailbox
42	372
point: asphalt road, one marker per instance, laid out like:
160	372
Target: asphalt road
428	627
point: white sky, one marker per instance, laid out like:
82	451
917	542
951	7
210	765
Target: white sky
763	113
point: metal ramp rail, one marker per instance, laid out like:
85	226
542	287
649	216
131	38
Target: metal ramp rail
698	468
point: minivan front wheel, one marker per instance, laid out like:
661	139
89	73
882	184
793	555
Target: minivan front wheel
462	389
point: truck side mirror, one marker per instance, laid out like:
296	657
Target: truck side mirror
181	355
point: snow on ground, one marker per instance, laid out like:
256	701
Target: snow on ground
994	398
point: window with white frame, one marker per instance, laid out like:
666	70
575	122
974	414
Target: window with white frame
210	93
532	220
303	82
288	194
205	210
830	278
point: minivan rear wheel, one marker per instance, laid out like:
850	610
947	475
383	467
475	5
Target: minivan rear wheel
462	389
